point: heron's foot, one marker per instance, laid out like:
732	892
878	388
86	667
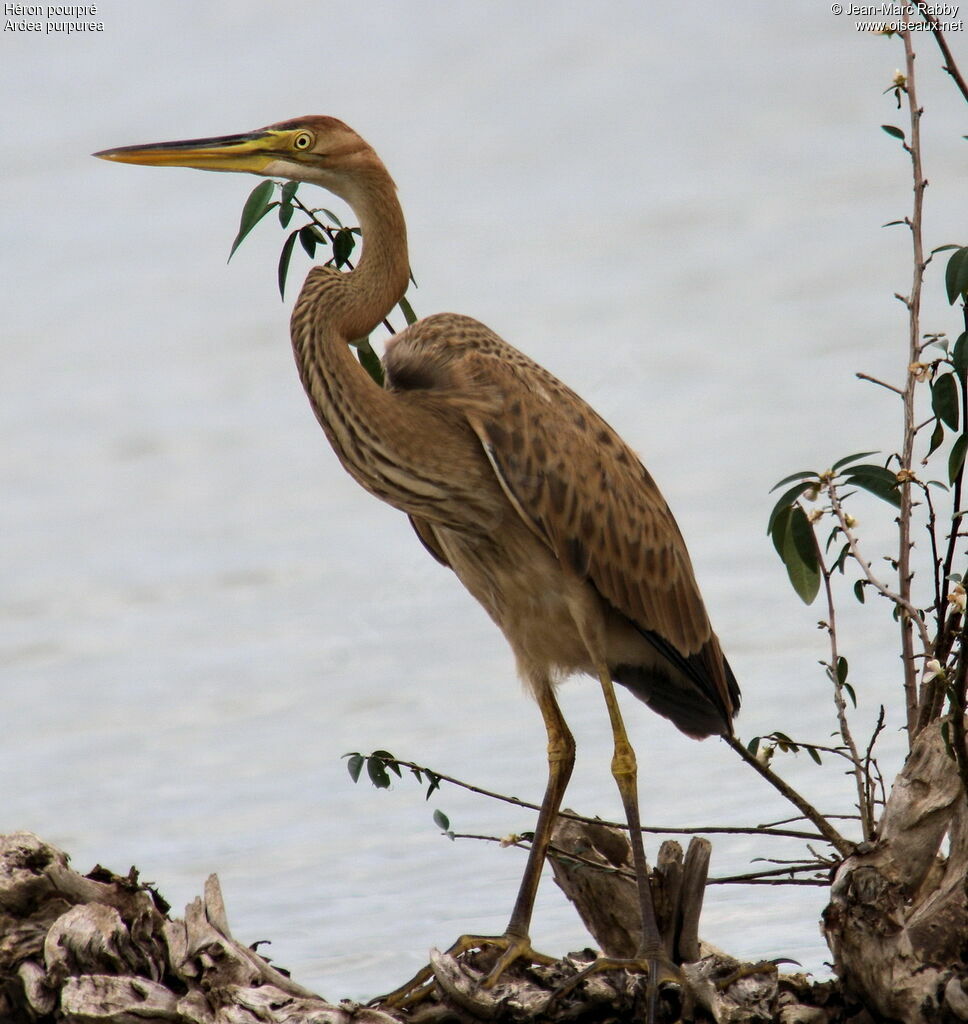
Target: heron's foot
658	968
443	970
766	967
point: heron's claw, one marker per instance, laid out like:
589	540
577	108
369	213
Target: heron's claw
659	968
441	970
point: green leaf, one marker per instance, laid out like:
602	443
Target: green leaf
841	670
256	207
289	191
859	590
376	769
892	131
389	760
812	474
309	239
840	463
354	765
877	480
784	742
286	208
434	783
407	310
785	501
754	745
959	355
956	275
441	821
343	245
849	690
284	258
945	400
841	559
332	216
796	545
957	458
369	360
815	754
937	438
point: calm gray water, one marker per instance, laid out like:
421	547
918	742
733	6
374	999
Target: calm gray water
677	210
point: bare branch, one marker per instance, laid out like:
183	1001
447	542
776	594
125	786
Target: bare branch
843	846
949	65
737	830
857	769
913	303
904	604
880	383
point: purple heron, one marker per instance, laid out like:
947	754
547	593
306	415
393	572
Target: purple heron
546	516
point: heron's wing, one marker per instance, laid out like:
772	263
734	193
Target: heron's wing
586	494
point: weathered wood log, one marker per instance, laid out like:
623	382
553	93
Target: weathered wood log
101	949
897	922
593	866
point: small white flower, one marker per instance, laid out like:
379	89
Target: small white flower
932	669
899	81
958	598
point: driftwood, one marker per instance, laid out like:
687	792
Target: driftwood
593	867
897	922
102	949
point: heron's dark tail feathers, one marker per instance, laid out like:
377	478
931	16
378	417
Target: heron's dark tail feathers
698	693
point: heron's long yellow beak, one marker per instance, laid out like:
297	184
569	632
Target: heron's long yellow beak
253	152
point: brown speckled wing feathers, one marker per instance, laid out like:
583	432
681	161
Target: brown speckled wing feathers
587	495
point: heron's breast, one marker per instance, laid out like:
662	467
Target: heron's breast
527	593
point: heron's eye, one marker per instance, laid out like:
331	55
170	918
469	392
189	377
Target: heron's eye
302	141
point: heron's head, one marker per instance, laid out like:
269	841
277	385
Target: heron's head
320	150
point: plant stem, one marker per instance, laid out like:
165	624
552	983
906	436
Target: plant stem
950	66
857	770
759	830
913	303
843	846
905	608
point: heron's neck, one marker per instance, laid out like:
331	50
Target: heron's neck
366	429
383	272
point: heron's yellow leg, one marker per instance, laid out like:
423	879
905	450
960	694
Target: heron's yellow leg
625	771
652	956
561	761
515	943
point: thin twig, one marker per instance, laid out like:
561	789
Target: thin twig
799	817
903	604
880	383
755	830
770	876
836	840
913	302
857	770
949	65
